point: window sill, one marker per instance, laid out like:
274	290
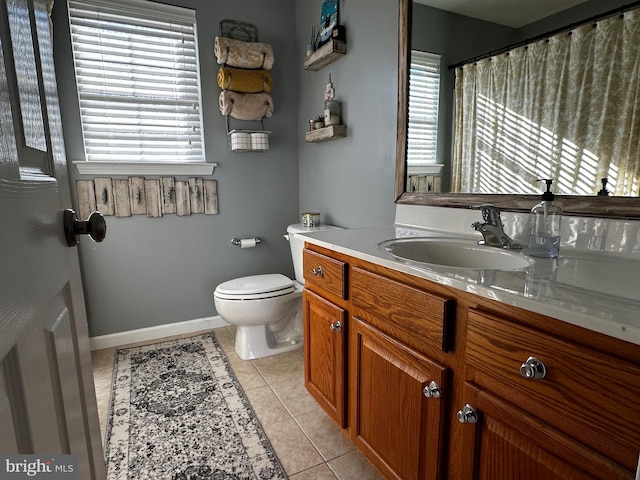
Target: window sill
425	168
143	168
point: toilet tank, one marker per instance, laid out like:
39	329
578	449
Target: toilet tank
297	244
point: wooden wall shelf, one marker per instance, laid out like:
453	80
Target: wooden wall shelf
326	54
325	134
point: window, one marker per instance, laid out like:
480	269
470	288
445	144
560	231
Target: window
136	66
424	92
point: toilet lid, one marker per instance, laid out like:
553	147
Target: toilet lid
255	286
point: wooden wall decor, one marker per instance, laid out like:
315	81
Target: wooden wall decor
424	183
104	195
151	197
210	197
136	196
196	189
121	197
183	206
86	198
168	187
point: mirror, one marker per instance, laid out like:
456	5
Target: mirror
615	207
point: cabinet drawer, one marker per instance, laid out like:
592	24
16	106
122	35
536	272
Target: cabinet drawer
415	317
325	274
588	395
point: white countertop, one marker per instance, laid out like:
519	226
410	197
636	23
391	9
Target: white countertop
597	291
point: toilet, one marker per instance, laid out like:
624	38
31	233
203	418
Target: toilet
267	309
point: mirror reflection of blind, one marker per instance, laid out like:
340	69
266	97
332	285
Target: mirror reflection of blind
136	65
424	89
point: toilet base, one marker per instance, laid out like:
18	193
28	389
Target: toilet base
257	341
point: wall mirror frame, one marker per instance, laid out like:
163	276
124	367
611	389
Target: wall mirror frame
614	207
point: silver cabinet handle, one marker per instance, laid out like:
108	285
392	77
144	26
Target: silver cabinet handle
467	415
533	369
336	327
318	272
432	390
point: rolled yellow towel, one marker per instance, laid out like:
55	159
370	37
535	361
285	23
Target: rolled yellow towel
246	106
237	53
244	81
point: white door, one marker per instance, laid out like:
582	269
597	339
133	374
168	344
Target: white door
47	399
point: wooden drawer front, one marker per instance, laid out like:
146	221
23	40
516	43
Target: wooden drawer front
325	273
419	319
590	396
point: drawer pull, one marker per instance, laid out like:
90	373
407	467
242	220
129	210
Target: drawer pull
533	369
336	327
467	415
318	272
432	390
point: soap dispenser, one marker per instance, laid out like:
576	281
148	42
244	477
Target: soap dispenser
544	226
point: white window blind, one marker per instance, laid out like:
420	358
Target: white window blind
424	92
136	65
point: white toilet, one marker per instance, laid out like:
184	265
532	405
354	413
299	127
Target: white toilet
267	309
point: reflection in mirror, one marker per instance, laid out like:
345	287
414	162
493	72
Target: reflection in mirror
562	108
424	172
507	148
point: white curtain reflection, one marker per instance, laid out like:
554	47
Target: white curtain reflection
566	108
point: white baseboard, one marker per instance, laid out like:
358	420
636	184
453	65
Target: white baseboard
155	333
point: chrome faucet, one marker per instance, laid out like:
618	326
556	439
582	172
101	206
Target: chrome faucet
492	230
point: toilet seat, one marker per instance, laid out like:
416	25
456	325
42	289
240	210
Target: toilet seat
255	287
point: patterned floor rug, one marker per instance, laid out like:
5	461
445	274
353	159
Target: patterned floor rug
177	412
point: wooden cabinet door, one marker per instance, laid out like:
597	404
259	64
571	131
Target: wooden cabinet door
506	442
398	427
325	344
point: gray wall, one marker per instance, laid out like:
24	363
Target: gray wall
156	271
350	180
582	11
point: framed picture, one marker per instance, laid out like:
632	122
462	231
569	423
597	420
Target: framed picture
328	20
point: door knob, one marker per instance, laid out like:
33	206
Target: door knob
336	327
432	390
95	227
467	415
533	369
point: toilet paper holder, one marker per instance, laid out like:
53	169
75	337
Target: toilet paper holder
239	241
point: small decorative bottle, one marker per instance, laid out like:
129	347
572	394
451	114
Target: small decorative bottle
544	226
332	108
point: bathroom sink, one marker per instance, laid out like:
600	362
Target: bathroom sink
454	252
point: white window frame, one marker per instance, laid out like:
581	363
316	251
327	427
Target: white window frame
145	158
424	95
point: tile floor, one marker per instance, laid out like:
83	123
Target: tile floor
308	443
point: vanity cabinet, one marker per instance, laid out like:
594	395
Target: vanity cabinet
441	383
398	404
398	392
325	345
564	409
325	333
508	442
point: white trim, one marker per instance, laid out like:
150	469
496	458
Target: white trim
155	333
425	169
143	168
